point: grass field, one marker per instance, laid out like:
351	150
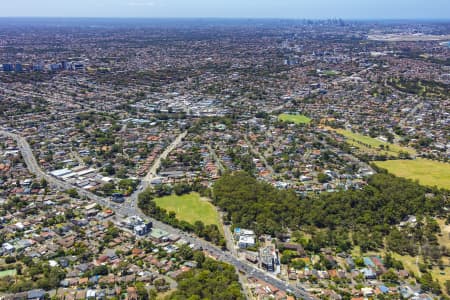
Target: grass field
5	273
331	73
190	208
444	240
297	119
428	172
363	141
444	237
409	262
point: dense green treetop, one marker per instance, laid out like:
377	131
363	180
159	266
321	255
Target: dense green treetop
385	201
213	280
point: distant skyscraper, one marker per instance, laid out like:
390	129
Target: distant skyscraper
19	67
8	68
37	67
55	67
78	66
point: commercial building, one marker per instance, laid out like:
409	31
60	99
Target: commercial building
269	258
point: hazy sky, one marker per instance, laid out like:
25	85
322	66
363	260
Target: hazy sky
347	9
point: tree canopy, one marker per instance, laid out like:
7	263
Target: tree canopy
369	213
213	280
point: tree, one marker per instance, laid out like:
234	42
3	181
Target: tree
142	291
100	270
73	193
322	178
213	280
44	183
390	276
370	214
428	284
163	190
447	286
10	259
108	188
298	264
181	189
160	283
186	252
199	257
153	294
390	262
109	169
199	227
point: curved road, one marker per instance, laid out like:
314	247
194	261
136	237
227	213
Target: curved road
124	211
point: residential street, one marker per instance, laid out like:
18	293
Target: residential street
124	211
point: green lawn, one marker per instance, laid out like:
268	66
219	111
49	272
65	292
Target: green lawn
409	262
331	73
444	240
297	119
5	273
428	172
363	141
190	208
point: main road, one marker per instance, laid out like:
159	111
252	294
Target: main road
152	172
123	211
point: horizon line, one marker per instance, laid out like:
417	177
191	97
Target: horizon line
227	18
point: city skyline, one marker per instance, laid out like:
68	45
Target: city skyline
289	9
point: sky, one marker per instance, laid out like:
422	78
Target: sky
310	9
